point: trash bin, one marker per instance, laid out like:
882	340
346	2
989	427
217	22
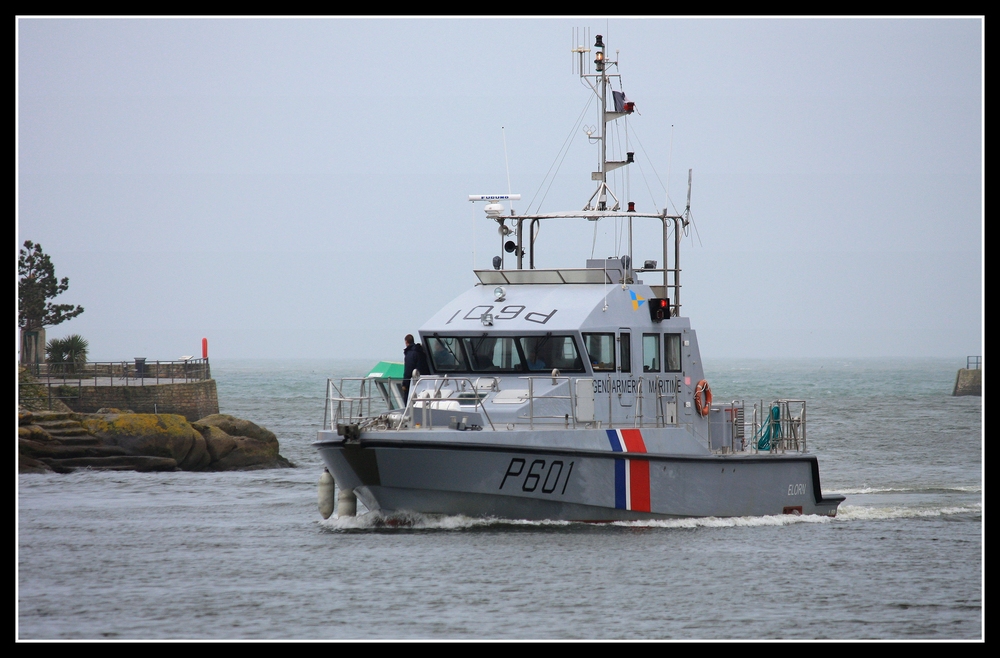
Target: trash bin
140	367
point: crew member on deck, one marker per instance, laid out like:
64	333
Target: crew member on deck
414	358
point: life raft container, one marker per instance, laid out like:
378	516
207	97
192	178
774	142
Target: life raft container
703	397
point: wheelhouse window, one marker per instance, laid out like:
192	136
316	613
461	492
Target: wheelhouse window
651	352
601	349
500	354
446	354
672	352
543	353
625	351
493	354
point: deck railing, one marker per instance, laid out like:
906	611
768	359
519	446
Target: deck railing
780	426
351	401
356	400
121	373
777	427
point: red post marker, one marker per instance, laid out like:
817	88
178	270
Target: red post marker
204	348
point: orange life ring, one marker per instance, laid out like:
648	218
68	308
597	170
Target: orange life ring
703	405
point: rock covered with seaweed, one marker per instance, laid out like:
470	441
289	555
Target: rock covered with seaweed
114	439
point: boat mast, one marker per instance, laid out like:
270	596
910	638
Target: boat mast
597	206
602	200
598	82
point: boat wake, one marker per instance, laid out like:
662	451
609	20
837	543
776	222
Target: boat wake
895	490
414	521
874	513
402	521
408	521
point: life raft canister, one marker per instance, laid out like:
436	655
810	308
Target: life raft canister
703	397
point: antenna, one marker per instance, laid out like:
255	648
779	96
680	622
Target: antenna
506	163
493	197
494	210
670	159
581	64
687	210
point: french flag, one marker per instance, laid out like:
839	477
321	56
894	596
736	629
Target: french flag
631	475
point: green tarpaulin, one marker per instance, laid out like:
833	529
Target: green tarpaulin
386	370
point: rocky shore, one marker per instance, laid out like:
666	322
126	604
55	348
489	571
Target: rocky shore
113	439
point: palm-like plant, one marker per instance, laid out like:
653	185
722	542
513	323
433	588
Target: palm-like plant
70	353
55	355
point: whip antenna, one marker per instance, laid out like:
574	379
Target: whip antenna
506	164
687	210
670	158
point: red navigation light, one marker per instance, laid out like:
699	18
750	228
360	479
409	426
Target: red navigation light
658	309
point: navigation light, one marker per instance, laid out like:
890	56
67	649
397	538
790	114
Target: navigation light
658	309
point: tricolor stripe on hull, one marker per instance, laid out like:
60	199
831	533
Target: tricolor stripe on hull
631	475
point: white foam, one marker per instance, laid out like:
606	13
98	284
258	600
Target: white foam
881	490
415	521
378	521
865	513
728	522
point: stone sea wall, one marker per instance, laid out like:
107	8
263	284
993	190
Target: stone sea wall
193	400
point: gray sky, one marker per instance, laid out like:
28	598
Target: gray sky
297	187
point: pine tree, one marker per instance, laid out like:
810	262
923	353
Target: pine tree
38	285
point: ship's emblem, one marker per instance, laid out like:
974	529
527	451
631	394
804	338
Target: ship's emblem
637	301
631	475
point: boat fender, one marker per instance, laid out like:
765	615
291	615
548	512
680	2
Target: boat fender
347	503
326	494
703	397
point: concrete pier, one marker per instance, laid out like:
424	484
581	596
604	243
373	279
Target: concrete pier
969	382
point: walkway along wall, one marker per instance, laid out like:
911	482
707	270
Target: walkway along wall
193	400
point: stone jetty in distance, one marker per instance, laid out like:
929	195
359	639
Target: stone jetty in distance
141	416
63	441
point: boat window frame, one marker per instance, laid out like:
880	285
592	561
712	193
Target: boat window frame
658	359
611	349
460	356
519	352
472	347
580	368
678	352
625	350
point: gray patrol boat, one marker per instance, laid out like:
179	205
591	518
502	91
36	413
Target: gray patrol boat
573	394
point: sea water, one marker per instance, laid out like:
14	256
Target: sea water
246	555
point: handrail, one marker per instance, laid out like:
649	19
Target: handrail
555	383
112	373
334	407
442	381
782	430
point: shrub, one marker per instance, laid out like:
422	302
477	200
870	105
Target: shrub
68	354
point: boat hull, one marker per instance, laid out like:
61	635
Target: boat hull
553	482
